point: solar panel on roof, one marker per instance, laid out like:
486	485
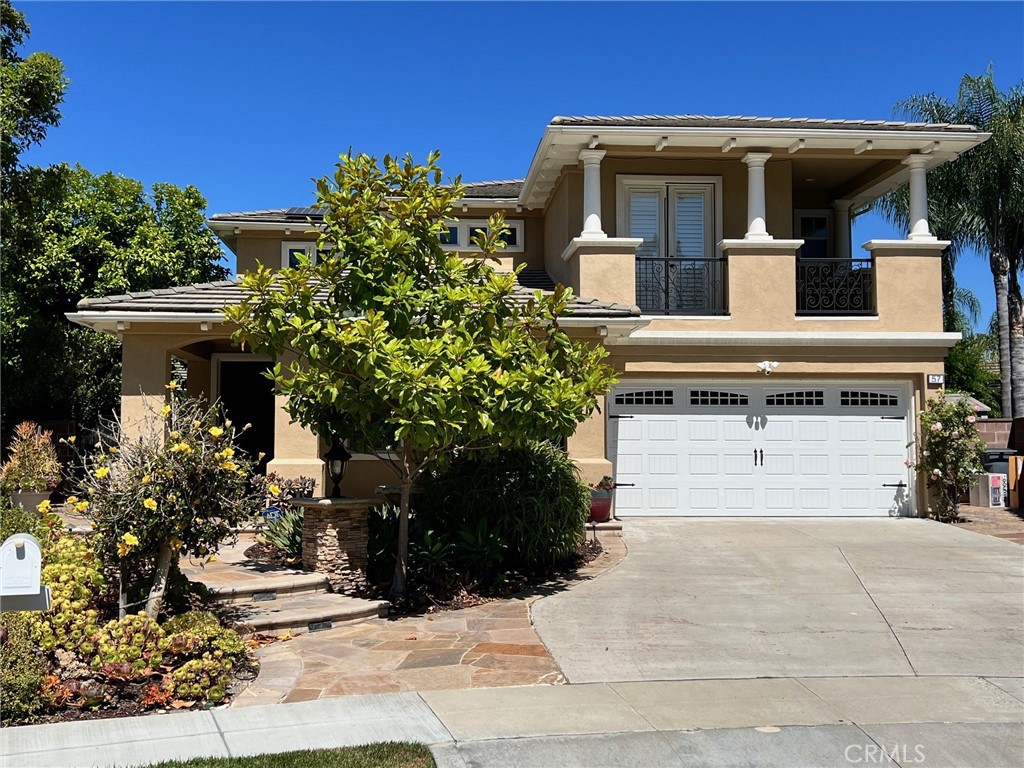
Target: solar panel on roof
303	212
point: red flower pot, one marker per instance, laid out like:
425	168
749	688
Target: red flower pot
600	506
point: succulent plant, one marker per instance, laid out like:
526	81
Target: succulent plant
205	679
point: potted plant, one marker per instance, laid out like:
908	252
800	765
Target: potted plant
601	500
32	470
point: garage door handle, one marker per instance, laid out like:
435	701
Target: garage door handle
894	418
618	416
900	484
625	485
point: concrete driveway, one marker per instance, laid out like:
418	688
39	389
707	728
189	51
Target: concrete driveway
727	598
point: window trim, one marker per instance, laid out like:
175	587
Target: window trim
309	246
625	182
466	226
825	213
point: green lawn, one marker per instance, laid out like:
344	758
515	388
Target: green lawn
387	755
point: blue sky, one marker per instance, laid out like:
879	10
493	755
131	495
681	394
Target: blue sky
249	101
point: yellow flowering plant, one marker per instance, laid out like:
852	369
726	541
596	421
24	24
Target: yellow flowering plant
177	490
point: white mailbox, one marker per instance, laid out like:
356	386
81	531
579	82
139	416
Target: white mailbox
20	569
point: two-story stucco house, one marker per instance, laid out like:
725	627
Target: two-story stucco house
767	367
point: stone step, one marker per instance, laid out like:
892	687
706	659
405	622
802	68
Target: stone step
306	613
266	588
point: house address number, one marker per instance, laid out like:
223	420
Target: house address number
936	379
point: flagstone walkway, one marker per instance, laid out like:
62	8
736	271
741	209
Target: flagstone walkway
486	646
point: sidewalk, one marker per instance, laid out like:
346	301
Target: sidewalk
928	721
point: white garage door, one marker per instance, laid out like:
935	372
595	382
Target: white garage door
760	449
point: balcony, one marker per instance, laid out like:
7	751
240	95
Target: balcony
681	286
836	287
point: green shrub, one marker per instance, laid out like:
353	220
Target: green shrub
14	519
22	671
126	648
516	509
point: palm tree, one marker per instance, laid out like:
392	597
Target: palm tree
978	201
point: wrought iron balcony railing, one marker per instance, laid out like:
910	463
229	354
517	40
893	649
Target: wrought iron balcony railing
835	286
681	286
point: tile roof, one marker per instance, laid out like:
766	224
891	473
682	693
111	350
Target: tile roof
744	121
476	190
211	297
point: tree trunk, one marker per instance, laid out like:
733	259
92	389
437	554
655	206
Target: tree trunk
122	595
156	592
398	584
1016	312
1000	269
949	318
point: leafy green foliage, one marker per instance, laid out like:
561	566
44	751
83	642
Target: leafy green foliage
70	234
950	453
22	670
152	498
968	368
126	648
15	519
405	347
31	89
532	498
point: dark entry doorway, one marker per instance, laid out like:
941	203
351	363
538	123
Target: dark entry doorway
248	398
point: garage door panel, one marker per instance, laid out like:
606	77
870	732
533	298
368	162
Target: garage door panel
812	464
631	431
663	430
855	464
782	464
663	464
813	431
889	431
703	501
853	431
779	500
703	430
738	464
738	500
814	500
734	431
779	430
663	498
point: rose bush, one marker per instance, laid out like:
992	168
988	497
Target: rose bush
950	454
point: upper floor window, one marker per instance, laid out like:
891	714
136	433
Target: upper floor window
679	269
459	235
292	249
813	227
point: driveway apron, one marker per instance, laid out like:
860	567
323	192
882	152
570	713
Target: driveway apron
729	598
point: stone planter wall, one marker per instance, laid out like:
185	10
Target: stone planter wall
334	539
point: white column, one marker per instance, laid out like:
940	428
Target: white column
841	222
918	198
756	227
592	193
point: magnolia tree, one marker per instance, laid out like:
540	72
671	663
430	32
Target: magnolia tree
411	352
950	453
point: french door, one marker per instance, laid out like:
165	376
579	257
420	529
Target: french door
678	269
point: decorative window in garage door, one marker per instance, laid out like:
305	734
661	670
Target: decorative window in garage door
809	397
646	397
867	399
717	397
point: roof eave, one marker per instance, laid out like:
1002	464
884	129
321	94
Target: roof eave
953	143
